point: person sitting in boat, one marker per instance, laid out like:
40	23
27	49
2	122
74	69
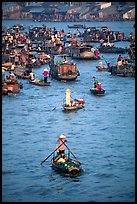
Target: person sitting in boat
95	81
100	65
120	58
32	76
75	102
124	62
65	60
61	158
62	139
98	86
119	63
12	77
108	44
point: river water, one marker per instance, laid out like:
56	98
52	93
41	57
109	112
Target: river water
101	136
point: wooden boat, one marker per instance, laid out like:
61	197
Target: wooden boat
64	71
39	82
102	68
76	104
82	53
123	71
77	26
71	166
22	73
113	50
10	87
97	92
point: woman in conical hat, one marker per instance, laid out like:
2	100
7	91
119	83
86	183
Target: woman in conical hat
68	92
62	139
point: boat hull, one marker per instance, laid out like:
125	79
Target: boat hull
64	72
103	68
113	50
39	83
71	167
97	92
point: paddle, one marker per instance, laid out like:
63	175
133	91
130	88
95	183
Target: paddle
72	154
52	153
57	105
104	59
56	150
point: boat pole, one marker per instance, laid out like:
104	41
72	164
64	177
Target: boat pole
52	153
72	154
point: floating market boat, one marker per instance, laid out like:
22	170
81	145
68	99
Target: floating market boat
66	71
97	92
10	87
113	50
83	53
123	71
74	104
70	166
104	68
62	160
22	73
39	82
77	26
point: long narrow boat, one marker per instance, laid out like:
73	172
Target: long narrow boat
113	50
39	82
103	68
21	73
97	92
77	26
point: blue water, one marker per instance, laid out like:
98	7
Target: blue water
101	136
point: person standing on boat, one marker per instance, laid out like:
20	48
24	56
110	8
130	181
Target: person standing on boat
96	53
62	140
95	81
46	74
68	97
32	76
98	86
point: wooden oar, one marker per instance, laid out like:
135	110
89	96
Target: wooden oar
56	106
52	153
72	154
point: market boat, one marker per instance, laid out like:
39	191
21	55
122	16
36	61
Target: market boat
71	166
76	104
10	87
97	92
22	73
123	71
83	53
104	68
72	104
112	49
63	71
39	82
62	160
77	26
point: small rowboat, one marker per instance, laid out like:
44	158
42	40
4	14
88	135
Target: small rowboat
39	82
103	68
97	92
76	104
71	166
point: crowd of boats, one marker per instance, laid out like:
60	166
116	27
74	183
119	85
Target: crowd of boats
22	51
